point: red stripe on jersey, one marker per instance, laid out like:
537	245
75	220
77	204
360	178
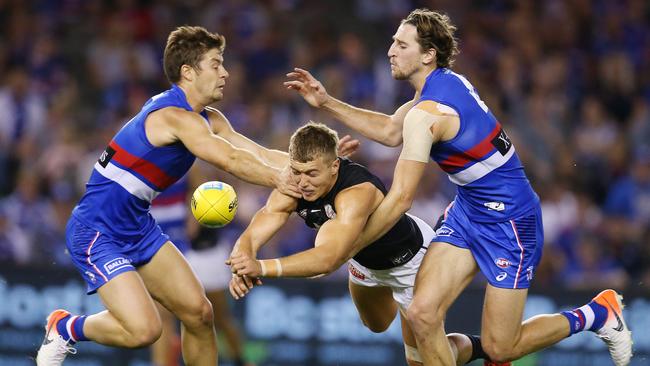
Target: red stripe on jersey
459	160
143	167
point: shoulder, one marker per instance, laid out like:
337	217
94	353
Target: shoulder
218	120
362	197
279	202
215	114
172	116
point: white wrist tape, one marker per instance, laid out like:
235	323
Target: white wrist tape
278	267
263	268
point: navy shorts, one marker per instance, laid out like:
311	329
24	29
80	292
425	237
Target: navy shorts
99	257
507	253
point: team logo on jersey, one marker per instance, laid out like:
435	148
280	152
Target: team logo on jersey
356	273
115	264
502	262
302	213
495	206
444	230
106	156
502	142
329	211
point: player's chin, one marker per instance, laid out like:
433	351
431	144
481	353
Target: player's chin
398	75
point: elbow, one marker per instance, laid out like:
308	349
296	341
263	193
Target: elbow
393	139
331	264
392	136
404	201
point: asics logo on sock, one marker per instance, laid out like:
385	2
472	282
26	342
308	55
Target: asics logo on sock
619	326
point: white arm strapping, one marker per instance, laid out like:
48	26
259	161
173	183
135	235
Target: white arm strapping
417	135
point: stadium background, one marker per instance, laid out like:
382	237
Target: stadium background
569	80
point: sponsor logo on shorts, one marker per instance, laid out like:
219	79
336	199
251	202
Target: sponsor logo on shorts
116	264
444	231
502	262
91	276
529	273
502	276
356	273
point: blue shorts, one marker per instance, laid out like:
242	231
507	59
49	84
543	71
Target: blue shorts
177	234
99	257
507	253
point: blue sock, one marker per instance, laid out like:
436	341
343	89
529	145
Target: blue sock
71	328
591	316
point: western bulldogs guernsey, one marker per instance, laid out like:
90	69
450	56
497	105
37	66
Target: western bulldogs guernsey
393	249
170	210
496	214
131	172
480	160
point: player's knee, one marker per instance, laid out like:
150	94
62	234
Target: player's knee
424	318
144	335
497	351
198	314
376	326
142	331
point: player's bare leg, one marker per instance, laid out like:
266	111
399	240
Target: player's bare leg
445	272
413	357
171	281
377	310
166	350
375	305
505	338
131	319
224	321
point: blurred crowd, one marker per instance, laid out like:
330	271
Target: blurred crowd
569	80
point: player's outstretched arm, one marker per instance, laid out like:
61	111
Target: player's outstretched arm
266	223
422	128
376	126
275	158
334	243
222	127
193	131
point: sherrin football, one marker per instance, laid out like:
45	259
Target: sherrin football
214	204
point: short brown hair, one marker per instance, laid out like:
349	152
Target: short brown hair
185	46
313	140
436	31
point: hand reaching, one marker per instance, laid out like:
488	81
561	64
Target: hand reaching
240	285
308	86
286	185
244	265
348	146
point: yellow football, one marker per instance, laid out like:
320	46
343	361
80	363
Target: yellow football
214	204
